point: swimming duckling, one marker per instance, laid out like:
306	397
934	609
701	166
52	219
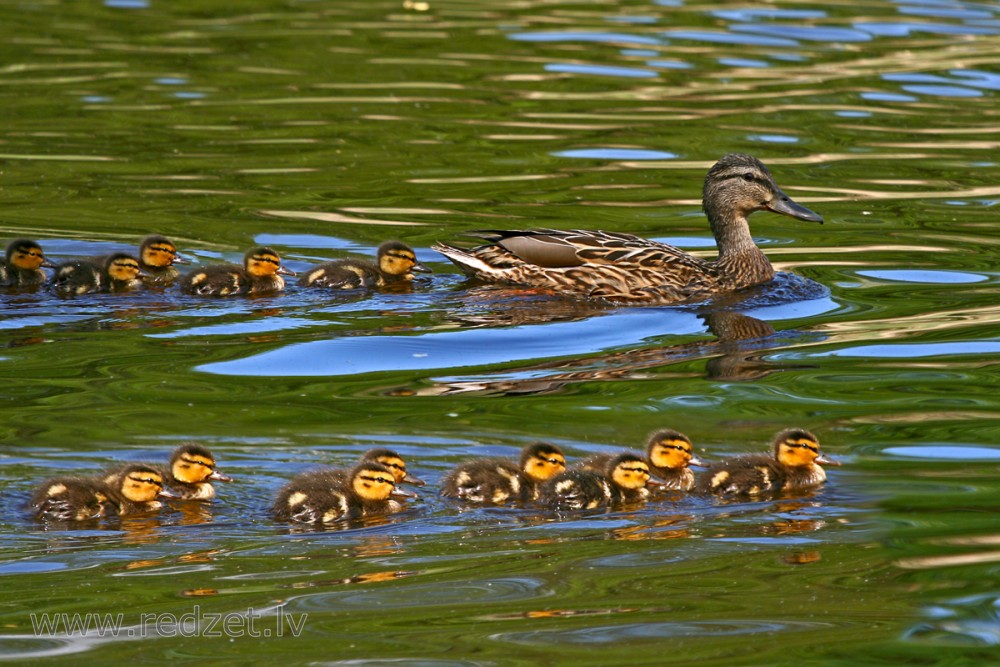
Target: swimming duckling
395	262
261	273
495	481
189	474
83	498
625	480
157	256
668	453
623	268
22	265
370	491
387	457
794	464
118	272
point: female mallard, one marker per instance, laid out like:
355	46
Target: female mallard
795	463
668	454
494	481
136	489
261	273
22	264
625	268
119	272
395	262
370	490
625	480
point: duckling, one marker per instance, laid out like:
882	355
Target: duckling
157	256
261	273
118	272
626	479
622	268
370	491
396	263
189	474
22	265
668	454
82	498
494	481
795	463
387	457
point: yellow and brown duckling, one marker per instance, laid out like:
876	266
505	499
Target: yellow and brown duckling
370	490
668	453
494	481
387	457
625	480
624	268
795	463
157	256
118	272
137	489
189	475
22	264
395	262
261	273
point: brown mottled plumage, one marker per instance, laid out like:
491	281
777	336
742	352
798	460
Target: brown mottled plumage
795	463
395	263
387	457
625	479
370	490
135	490
22	264
624	268
494	481
261	273
118	272
668	454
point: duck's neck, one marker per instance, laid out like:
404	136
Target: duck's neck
740	263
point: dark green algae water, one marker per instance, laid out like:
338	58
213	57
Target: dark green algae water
322	128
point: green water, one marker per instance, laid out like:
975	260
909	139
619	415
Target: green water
323	128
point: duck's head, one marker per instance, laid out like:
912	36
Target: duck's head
671	450
194	464
122	267
630	471
158	252
397	260
740	184
374	482
264	262
796	447
541	461
142	484
26	255
395	463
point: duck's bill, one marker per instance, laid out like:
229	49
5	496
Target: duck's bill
695	461
785	206
166	493
823	461
414	480
403	494
284	272
420	268
46	263
219	477
655	485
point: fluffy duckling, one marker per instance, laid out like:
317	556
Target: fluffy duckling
395	263
22	265
387	457
261	273
626	479
369	491
189	474
157	256
118	272
495	481
668	453
79	498
795	463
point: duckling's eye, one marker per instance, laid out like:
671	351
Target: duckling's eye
803	445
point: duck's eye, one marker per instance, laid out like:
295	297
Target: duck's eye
748	177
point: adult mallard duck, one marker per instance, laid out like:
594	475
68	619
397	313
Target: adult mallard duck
668	453
494	481
260	274
395	262
623	268
795	463
22	264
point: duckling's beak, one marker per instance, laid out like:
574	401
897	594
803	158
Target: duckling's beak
420	268
219	477
47	264
414	480
784	205
166	493
179	259
655	485
695	461
284	272
823	461
402	493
